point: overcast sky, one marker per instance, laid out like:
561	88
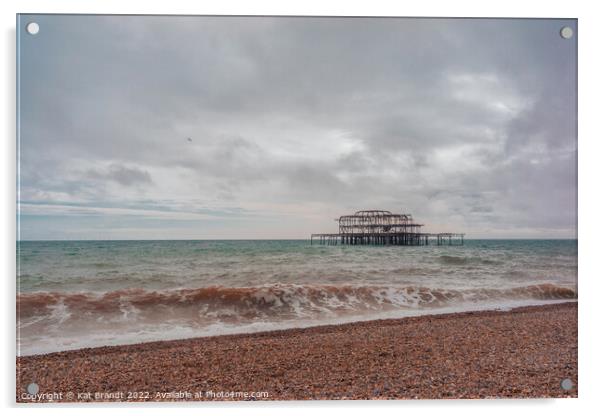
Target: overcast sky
470	125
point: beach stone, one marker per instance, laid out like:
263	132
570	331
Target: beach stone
499	355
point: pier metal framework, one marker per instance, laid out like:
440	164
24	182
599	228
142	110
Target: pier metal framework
378	227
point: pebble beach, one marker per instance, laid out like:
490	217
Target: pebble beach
520	353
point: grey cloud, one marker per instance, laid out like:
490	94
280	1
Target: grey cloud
123	175
470	119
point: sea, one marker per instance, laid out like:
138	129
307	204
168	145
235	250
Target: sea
77	294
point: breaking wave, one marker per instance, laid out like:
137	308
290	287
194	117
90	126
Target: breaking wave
271	302
55	321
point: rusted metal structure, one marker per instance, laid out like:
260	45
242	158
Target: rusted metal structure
377	227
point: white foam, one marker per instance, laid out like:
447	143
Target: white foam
43	344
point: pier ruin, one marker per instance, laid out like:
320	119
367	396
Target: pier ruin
377	227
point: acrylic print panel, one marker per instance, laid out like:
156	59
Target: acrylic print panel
295	208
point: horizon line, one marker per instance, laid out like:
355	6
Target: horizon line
263	239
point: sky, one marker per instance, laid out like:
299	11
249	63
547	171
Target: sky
153	127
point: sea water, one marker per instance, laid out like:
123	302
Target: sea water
74	294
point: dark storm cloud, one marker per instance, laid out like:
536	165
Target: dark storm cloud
469	124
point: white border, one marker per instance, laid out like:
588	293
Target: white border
589	203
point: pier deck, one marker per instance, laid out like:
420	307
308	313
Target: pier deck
393	239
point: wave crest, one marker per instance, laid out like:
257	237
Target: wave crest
276	301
